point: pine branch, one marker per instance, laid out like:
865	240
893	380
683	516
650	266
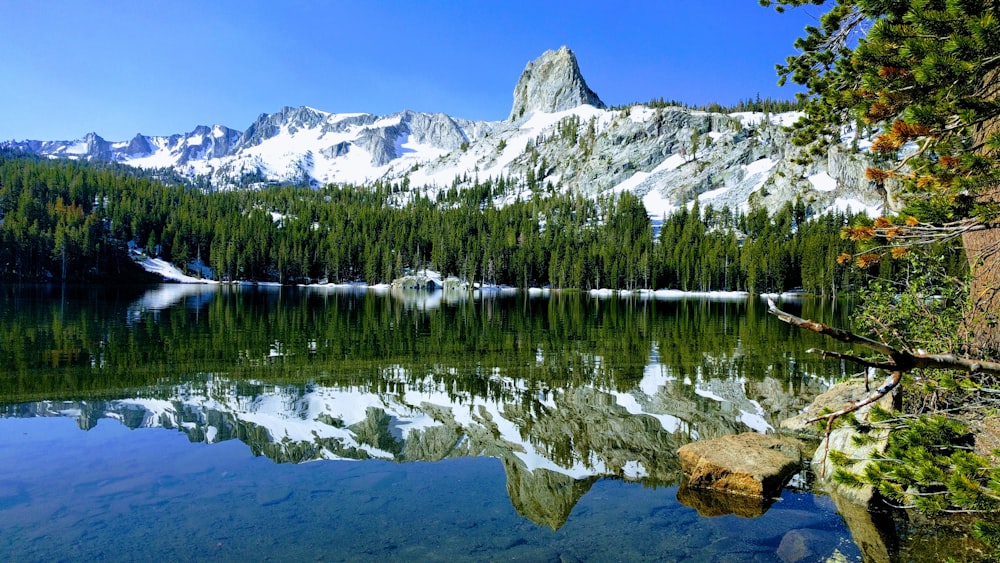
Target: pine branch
899	362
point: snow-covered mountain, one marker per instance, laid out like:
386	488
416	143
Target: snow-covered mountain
553	443
559	136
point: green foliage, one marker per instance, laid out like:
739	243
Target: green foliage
919	305
839	458
928	465
757	104
921	71
923	74
847	478
989	533
73	220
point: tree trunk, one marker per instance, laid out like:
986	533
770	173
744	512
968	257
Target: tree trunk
982	319
982	248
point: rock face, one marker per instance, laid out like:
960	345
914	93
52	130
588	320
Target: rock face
842	439
833	399
557	140
747	464
552	83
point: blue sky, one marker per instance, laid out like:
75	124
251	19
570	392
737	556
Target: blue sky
121	67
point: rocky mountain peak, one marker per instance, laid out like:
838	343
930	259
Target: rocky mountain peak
552	83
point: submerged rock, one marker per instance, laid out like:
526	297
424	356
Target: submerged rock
747	464
806	544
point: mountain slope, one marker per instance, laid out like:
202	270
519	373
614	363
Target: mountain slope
559	137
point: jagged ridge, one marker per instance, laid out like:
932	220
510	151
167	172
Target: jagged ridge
561	139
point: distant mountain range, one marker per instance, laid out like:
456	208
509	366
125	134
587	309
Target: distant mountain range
559	136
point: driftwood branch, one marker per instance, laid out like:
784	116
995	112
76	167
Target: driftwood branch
897	359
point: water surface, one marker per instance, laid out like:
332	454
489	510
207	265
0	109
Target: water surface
201	422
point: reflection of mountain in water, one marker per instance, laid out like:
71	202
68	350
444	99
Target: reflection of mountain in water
554	443
563	389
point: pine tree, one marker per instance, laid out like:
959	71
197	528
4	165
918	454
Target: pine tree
927	74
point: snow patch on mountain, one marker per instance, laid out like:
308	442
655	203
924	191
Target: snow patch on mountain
559	138
822	181
168	271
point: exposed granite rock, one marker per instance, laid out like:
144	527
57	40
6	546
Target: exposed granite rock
97	147
138	146
339	149
831	400
436	129
748	464
842	439
268	125
381	142
552	83
204	143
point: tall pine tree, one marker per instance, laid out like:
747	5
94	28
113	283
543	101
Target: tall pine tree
926	73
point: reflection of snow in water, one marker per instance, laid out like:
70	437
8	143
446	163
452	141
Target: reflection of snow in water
168	295
296	416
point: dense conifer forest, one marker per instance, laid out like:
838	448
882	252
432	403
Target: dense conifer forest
74	221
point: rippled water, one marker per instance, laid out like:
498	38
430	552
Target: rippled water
257	423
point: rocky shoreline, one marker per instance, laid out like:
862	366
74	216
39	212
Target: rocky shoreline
744	475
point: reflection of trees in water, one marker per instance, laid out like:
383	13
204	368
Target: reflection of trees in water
562	440
350	338
591	388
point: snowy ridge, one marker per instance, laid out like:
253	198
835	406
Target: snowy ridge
331	418
668	156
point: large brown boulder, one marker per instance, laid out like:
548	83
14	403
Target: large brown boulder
746	464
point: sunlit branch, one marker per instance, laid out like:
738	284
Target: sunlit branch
899	360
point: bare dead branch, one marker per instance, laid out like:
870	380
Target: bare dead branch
832	332
951	361
878	394
899	360
851	358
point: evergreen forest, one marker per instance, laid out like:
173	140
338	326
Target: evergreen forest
63	220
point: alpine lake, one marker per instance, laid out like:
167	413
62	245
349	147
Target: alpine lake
187	422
